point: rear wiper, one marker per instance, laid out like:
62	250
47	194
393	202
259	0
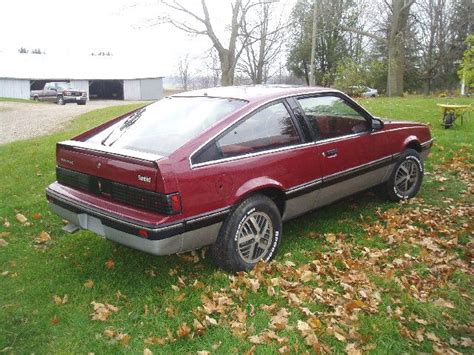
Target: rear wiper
132	119
128	122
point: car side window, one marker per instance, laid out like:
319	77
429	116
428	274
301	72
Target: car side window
331	117
269	128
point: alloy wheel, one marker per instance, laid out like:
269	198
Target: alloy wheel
406	177
255	237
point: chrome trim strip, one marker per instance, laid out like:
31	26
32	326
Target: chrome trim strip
399	128
304	186
358	167
250	155
427	143
336	139
118	151
223	211
245	115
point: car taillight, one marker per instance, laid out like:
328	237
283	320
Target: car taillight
143	233
175	202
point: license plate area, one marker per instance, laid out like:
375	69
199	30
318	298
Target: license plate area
91	223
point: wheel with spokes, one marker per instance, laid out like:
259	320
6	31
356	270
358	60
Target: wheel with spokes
406	177
251	233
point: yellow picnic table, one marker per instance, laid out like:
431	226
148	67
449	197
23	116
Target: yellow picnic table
452	112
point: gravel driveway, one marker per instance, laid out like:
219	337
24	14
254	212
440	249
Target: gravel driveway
20	120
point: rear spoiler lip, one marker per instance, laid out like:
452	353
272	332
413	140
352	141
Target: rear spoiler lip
118	152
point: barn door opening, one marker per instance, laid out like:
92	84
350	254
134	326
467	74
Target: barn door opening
106	89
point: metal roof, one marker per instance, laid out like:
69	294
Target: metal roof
44	67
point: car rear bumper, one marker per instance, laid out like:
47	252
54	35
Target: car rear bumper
160	239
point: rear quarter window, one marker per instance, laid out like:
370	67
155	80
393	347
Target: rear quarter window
268	128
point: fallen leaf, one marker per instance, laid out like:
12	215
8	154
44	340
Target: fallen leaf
60	300
55	320
110	333
4	234
42	238
102	311
156	341
89	284
443	303
110	264
3	242
21	218
124	339
432	336
37	216
183	330
147	351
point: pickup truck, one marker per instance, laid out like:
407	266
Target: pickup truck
61	93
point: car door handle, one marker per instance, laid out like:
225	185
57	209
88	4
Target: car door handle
331	153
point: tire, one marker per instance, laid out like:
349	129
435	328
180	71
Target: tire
237	247
60	100
36	98
406	178
81	103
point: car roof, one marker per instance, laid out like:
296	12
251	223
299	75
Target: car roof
253	92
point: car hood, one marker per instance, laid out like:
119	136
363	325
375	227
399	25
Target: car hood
74	89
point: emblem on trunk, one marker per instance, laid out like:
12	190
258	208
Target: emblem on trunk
99	164
146	179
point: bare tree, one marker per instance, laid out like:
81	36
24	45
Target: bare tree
183	71
399	11
264	46
201	24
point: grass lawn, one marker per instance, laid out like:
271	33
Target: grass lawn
11	99
360	275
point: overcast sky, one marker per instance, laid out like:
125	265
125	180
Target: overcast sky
126	28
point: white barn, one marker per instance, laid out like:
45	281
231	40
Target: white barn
101	77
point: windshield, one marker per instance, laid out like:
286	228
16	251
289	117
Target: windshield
63	86
166	125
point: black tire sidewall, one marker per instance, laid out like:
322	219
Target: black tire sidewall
393	193
225	250
60	100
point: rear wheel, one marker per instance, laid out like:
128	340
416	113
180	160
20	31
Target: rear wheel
60	100
35	98
406	178
251	233
81	103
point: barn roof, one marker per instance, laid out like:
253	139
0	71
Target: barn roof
45	67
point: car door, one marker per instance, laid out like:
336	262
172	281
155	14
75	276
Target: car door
342	135
49	92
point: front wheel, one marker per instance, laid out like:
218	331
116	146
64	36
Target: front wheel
405	180
60	100
251	233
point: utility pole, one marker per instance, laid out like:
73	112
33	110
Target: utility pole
312	68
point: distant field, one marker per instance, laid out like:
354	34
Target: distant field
361	275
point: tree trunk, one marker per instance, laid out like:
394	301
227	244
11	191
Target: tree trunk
396	46
227	67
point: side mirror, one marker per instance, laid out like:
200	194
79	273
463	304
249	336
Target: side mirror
377	124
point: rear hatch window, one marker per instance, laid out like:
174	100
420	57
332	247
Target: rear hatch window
166	125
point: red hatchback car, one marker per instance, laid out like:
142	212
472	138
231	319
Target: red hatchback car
225	166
